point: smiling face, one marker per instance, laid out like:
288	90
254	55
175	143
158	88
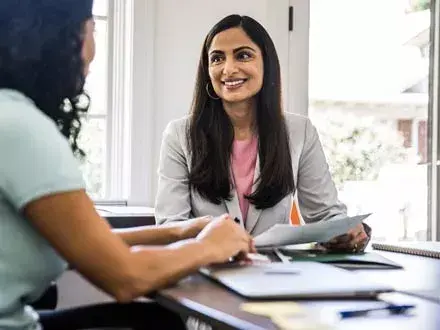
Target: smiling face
235	66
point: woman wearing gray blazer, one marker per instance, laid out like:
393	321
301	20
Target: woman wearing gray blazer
238	152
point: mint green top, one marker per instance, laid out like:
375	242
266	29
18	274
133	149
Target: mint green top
35	160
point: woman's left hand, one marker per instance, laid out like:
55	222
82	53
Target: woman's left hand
354	241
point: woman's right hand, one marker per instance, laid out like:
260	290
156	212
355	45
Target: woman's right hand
223	239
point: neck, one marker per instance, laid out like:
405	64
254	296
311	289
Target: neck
242	116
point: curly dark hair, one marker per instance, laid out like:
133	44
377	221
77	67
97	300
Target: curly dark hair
40	56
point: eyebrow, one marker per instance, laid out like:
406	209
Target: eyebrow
236	50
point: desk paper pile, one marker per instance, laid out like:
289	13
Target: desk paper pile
287	315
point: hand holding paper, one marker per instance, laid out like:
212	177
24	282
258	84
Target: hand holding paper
322	231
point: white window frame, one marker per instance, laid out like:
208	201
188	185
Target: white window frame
130	119
298	85
434	119
119	71
142	104
99	115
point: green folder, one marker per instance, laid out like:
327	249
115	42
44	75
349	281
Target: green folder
363	260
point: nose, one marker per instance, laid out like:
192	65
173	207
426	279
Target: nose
230	66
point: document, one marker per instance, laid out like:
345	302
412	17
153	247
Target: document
125	210
288	315
322	231
272	308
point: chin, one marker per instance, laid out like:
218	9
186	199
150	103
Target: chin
236	98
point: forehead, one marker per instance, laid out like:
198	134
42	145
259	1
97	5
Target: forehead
231	39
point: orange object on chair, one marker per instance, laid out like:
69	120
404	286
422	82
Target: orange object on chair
294	215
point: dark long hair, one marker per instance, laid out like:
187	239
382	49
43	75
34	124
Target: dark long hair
210	132
40	56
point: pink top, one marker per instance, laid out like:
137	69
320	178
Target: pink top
244	158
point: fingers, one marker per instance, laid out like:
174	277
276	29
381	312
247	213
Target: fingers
249	244
340	243
241	242
343	239
244	241
348	237
353	241
360	237
360	241
241	256
350	246
338	247
241	251
252	248
223	216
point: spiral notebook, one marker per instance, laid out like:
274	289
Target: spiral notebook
424	249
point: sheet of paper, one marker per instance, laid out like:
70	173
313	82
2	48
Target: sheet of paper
127	210
272	308
310	322
322	231
287	315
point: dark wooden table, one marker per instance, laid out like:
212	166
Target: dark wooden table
199	297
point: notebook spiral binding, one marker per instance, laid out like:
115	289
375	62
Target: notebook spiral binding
407	250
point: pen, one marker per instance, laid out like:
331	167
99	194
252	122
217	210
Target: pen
237	221
393	309
281	272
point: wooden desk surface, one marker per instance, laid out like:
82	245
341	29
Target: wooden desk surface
200	297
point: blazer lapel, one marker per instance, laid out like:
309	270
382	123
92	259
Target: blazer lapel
233	206
253	213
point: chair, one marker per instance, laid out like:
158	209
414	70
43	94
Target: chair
48	301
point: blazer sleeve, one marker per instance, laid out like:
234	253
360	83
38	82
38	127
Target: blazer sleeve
317	194
173	202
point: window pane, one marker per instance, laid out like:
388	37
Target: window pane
368	98
93	142
96	83
100	7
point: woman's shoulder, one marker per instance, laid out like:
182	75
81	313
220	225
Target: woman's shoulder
179	124
14	104
299	127
176	130
296	120
20	115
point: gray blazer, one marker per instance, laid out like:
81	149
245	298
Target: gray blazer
316	193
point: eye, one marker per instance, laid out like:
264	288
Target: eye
244	56
216	58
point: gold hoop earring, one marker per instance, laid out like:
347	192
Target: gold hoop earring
209	94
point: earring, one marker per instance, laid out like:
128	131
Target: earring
209	94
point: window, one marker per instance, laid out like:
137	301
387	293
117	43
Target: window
123	31
368	97
94	133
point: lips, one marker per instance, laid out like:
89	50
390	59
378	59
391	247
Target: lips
233	83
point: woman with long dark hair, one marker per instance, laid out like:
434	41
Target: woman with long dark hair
46	218
238	151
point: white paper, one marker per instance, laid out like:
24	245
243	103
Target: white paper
126	210
322	231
